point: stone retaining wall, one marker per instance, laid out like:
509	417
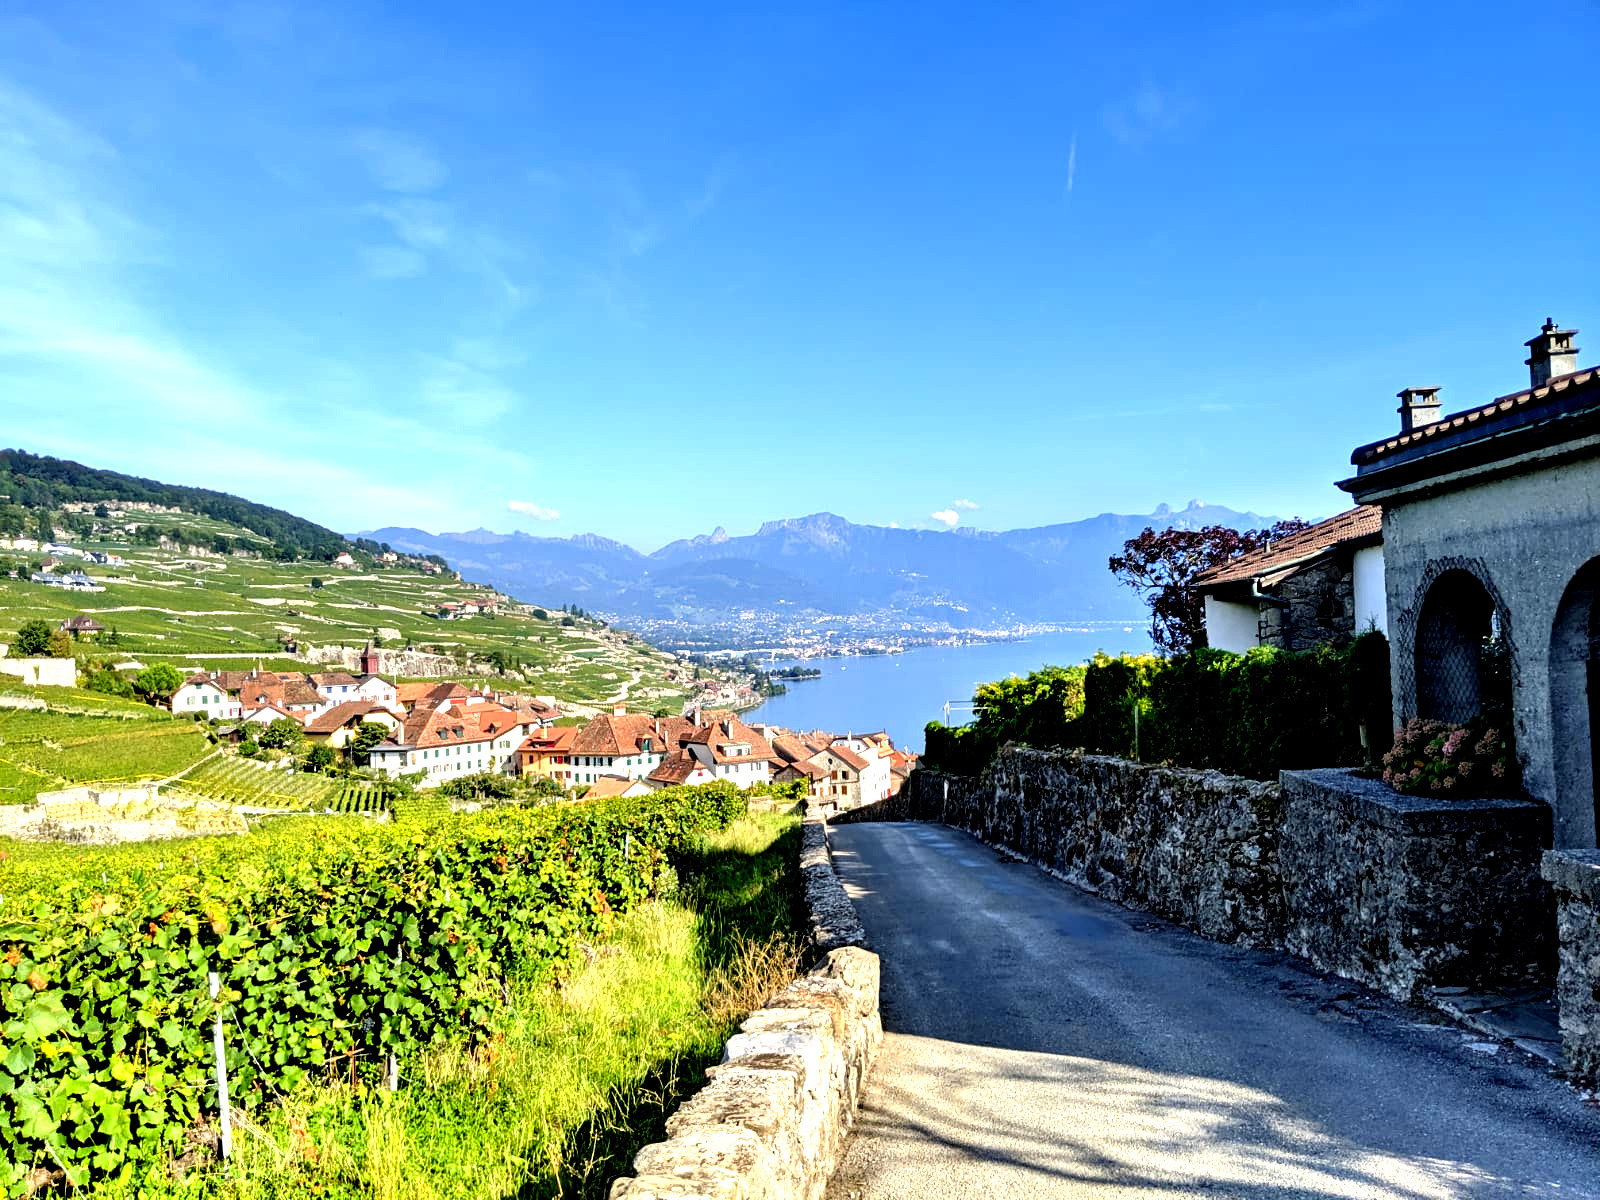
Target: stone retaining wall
1406	892
1198	847
1397	892
771	1123
1576	876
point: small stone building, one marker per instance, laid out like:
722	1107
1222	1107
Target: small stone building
1321	586
1491	547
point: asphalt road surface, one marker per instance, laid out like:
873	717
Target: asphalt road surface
1043	1042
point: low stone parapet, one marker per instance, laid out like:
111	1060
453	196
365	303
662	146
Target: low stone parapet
772	1122
1575	875
1397	892
1406	892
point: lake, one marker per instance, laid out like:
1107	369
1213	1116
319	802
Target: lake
901	693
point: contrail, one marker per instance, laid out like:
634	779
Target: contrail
1072	161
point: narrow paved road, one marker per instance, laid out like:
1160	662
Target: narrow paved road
1043	1042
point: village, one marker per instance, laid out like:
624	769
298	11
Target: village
437	731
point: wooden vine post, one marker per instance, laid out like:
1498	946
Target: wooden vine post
224	1117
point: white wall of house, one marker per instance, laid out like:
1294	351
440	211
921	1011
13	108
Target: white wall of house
586	768
1232	625
376	690
451	761
875	778
207	699
1372	604
743	773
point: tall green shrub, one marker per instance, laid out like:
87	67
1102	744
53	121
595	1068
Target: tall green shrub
1246	714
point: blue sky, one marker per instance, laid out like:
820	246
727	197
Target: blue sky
648	269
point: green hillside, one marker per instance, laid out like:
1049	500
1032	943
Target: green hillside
210	581
34	483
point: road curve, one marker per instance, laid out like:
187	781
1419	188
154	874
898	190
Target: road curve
1042	1042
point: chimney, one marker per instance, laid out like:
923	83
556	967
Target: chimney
1551	354
1419	406
619	710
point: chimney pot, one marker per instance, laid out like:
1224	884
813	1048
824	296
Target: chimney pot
1551	353
1419	406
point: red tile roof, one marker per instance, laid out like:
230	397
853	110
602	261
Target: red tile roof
1504	404
428	727
674	769
1359	524
342	714
557	740
847	756
434	690
720	737
608	786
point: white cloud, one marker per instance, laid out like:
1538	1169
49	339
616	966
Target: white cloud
399	163
536	511
1149	112
463	393
392	262
965	506
946	517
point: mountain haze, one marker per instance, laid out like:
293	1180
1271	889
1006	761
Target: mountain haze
822	563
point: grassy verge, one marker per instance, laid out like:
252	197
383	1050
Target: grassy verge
578	1075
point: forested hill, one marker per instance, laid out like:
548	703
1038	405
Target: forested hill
37	482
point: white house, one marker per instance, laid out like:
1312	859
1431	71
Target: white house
448	742
845	768
1321	585
874	750
337	686
376	689
200	694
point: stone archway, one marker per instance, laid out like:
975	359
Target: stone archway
1574	701
1462	664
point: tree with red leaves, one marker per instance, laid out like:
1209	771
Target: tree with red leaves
1162	565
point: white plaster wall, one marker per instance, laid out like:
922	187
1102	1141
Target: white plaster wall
1232	625
45	672
1372	604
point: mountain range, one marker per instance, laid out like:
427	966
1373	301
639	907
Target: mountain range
823	564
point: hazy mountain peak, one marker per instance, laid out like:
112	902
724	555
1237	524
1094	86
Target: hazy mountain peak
822	563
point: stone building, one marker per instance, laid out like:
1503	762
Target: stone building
1321	586
1491	547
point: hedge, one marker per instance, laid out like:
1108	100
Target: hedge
1250	714
337	942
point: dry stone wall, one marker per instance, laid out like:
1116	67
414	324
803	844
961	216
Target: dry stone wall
1405	892
1576	877
1397	892
772	1122
1198	847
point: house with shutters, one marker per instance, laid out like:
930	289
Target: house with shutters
201	695
339	724
449	741
845	769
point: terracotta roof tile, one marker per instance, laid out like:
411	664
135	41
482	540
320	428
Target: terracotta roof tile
846	755
1504	404
341	714
608	786
674	769
1361	523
